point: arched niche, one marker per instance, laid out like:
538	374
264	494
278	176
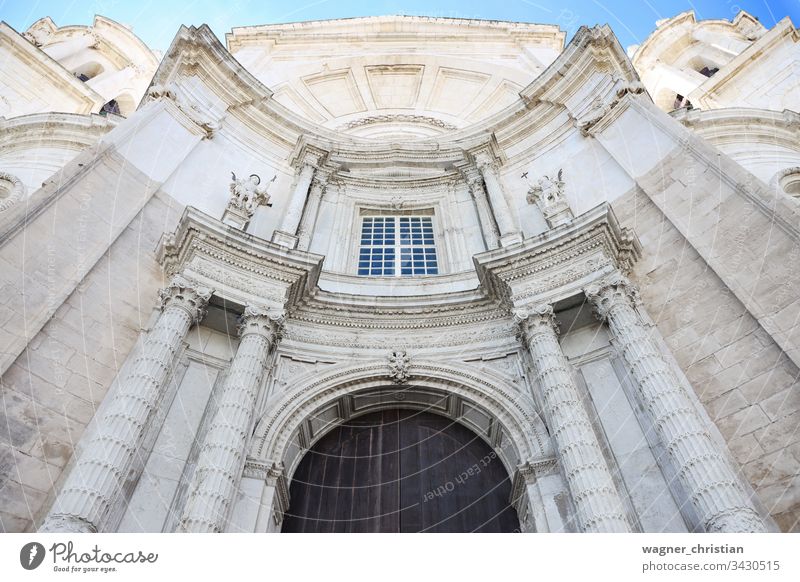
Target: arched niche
88	70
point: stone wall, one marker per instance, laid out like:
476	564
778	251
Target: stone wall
51	391
746	382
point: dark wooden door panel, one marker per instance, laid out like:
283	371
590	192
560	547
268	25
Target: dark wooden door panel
400	471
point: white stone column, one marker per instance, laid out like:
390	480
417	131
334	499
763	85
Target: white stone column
309	219
221	460
491	236
708	479
597	502
103	469
502	213
286	235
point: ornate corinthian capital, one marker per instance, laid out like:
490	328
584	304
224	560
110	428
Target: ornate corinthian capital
187	295
610	292
262	321
536	319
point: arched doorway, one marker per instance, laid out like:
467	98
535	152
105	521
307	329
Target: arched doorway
400	471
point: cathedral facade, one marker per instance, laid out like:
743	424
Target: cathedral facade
400	274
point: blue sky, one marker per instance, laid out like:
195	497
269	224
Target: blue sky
156	21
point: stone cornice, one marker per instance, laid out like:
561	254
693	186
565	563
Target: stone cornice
389	29
240	267
37	60
196	52
72	131
560	262
743	125
591	50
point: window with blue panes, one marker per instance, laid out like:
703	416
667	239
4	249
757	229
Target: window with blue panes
397	246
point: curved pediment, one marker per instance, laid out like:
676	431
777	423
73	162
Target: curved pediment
402	75
212	80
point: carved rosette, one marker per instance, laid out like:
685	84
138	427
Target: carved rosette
597	501
185	295
104	468
222	456
704	472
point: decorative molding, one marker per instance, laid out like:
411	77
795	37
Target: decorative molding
187	295
399	366
398	118
15	190
548	195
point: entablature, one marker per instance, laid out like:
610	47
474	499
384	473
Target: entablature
559	263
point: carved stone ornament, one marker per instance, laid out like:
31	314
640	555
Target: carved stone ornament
187	295
12	190
548	195
399	364
195	114
602	106
247	194
260	320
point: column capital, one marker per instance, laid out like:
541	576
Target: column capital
536	319
306	154
188	295
610	292
260	320
485	163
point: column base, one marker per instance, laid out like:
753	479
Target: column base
285	239
59	523
511	238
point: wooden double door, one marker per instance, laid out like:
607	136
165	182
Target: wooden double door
400	471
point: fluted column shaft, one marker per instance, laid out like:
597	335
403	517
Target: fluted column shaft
309	218
502	212
298	200
103	469
222	456
707	477
597	501
488	227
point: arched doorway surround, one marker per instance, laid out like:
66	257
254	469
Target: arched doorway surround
484	401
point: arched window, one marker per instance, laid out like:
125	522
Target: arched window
88	71
110	107
681	101
708	71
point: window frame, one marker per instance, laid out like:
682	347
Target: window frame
398	246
